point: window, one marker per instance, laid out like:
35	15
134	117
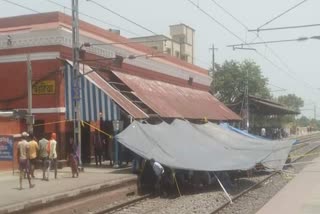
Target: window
177	54
155	47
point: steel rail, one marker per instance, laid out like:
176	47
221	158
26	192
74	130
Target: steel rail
123	205
127	204
257	184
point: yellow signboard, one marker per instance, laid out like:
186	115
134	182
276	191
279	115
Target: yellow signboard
44	87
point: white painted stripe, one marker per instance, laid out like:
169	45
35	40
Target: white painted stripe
103	106
92	104
70	88
48	110
33	56
109	108
115	112
97	102
85	99
81	100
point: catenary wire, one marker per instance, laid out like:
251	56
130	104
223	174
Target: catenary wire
283	13
137	24
272	51
22	6
285	27
121	16
95	18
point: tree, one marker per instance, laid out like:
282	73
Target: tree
303	121
292	101
230	81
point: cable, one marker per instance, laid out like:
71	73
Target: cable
257	35
281	14
121	16
216	21
273	52
226	11
19	5
285	28
94	18
135	23
276	86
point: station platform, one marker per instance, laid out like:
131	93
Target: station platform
300	196
92	180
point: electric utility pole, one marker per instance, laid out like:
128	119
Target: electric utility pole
213	49
76	79
247	103
29	118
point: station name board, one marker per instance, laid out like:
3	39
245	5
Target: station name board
44	87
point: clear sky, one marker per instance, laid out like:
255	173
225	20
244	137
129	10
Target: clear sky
294	66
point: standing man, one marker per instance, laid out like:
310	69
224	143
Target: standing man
98	147
23	159
43	154
263	132
33	150
52	150
159	172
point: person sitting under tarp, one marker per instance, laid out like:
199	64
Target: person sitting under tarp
159	172
146	177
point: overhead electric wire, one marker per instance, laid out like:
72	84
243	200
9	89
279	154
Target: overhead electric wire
22	6
121	16
257	35
215	20
242	40
266	45
285	27
137	24
95	18
230	14
283	13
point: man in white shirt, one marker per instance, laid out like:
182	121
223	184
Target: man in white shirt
23	159
158	171
263	132
52	150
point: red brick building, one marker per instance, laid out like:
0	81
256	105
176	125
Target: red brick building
153	86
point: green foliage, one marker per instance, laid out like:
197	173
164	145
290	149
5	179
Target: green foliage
303	121
292	101
230	81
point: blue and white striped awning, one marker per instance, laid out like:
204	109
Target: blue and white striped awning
93	100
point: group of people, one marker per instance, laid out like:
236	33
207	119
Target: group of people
273	133
29	151
104	150
164	181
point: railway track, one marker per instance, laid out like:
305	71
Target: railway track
310	150
152	204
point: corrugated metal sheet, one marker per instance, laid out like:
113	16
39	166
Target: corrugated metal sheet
109	98
92	99
173	101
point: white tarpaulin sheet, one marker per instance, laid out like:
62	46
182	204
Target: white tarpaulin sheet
206	147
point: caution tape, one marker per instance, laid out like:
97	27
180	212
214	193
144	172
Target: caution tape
84	122
49	123
81	122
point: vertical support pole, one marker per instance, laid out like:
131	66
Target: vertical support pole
76	79
213	59
116	151
29	84
247	102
